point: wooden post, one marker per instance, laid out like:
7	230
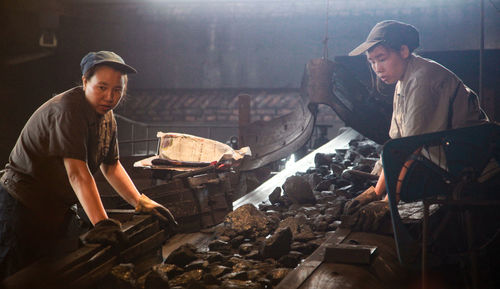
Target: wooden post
243	116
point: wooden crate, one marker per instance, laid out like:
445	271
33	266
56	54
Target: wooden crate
197	202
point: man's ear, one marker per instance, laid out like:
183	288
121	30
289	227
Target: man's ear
404	51
84	82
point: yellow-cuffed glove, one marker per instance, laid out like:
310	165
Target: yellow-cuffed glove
352	206
107	232
146	205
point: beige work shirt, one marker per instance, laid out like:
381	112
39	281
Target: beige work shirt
431	98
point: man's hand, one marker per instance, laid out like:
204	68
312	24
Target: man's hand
352	206
107	232
373	217
146	205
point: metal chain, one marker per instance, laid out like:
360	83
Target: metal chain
325	41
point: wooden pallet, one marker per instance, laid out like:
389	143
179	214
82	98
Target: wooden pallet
90	263
197	201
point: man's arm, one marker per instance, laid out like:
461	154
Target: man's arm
85	189
119	179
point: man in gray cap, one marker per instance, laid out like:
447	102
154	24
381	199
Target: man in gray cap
427	98
50	168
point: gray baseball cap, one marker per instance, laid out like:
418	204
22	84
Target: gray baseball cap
94	58
389	31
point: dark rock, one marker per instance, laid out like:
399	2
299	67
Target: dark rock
220	246
247	221
324	185
225	238
277	275
320	225
298	246
210	279
186	278
334	225
123	276
245	248
337	168
309	211
305	236
314	244
294	223
197	264
274	221
240	264
219	270
254	255
329	218
264	207
314	178
154	280
298	190
266	283
242	275
214	257
291	259
182	255
236	241
321	159
274	197
322	171
240	284
167	271
194	284
254	274
278	244
336	208
366	149
309	247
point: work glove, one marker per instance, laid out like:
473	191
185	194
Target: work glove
107	232
373	217
352	206
146	205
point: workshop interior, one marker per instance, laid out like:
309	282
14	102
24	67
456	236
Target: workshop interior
291	144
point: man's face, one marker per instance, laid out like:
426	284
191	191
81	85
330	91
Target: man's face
388	64
104	89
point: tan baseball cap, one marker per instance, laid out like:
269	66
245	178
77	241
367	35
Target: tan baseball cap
389	31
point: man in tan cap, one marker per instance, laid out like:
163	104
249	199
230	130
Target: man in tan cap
428	97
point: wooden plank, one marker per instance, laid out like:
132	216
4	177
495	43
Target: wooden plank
99	272
300	274
145	246
74	272
49	273
341	276
347	253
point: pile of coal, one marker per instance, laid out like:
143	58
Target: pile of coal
257	247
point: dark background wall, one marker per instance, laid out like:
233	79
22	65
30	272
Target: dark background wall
214	44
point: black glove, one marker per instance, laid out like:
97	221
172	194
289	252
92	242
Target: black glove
107	232
352	206
146	205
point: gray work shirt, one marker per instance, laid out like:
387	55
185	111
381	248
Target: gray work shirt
66	126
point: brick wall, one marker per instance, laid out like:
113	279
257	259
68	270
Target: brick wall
212	105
